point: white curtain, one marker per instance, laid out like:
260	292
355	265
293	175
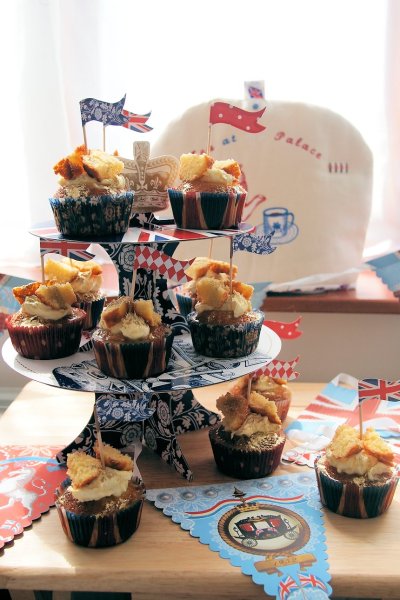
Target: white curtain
167	56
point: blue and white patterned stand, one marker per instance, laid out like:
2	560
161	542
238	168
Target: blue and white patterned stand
152	417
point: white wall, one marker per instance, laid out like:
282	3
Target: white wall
366	345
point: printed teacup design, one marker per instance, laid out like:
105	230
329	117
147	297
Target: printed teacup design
279	221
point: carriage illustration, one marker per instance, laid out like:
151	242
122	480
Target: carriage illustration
264	527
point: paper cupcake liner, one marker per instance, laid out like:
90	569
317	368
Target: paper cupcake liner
99	531
132	360
207	210
185	304
244	464
93	310
353	500
225	341
93	215
47	341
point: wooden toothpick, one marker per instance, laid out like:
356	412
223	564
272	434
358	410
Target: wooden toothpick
230	264
210	249
133	284
98	435
249	387
360	417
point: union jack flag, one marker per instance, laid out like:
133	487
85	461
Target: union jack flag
149	258
379	389
286	586
279	369
136	122
255	92
75	250
311	581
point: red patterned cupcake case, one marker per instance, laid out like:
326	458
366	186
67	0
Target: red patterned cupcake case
207	210
47	340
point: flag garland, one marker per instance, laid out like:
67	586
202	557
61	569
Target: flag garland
279	369
154	260
256	244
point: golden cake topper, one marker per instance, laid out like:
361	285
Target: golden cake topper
149	178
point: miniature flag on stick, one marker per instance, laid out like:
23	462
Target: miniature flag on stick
280	369
256	244
154	260
379	389
223	112
136	122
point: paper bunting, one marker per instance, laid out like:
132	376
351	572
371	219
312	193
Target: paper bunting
379	389
222	112
271	528
29	476
75	250
387	268
256	244
279	369
286	331
149	258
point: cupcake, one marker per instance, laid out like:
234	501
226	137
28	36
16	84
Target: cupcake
357	477
186	295
248	442
223	324
47	326
100	506
92	199
209	195
131	342
85	278
271	388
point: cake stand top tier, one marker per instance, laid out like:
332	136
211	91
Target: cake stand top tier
156	231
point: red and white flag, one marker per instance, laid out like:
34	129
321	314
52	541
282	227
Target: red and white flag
286	331
279	369
222	112
150	258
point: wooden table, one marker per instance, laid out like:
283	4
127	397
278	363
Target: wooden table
161	560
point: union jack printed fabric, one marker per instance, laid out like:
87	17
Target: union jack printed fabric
256	244
379	389
75	250
279	369
149	258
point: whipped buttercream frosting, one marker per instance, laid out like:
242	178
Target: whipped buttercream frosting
110	482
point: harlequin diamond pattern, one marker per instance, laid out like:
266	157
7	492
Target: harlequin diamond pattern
149	258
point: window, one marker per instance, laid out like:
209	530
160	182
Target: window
167	56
